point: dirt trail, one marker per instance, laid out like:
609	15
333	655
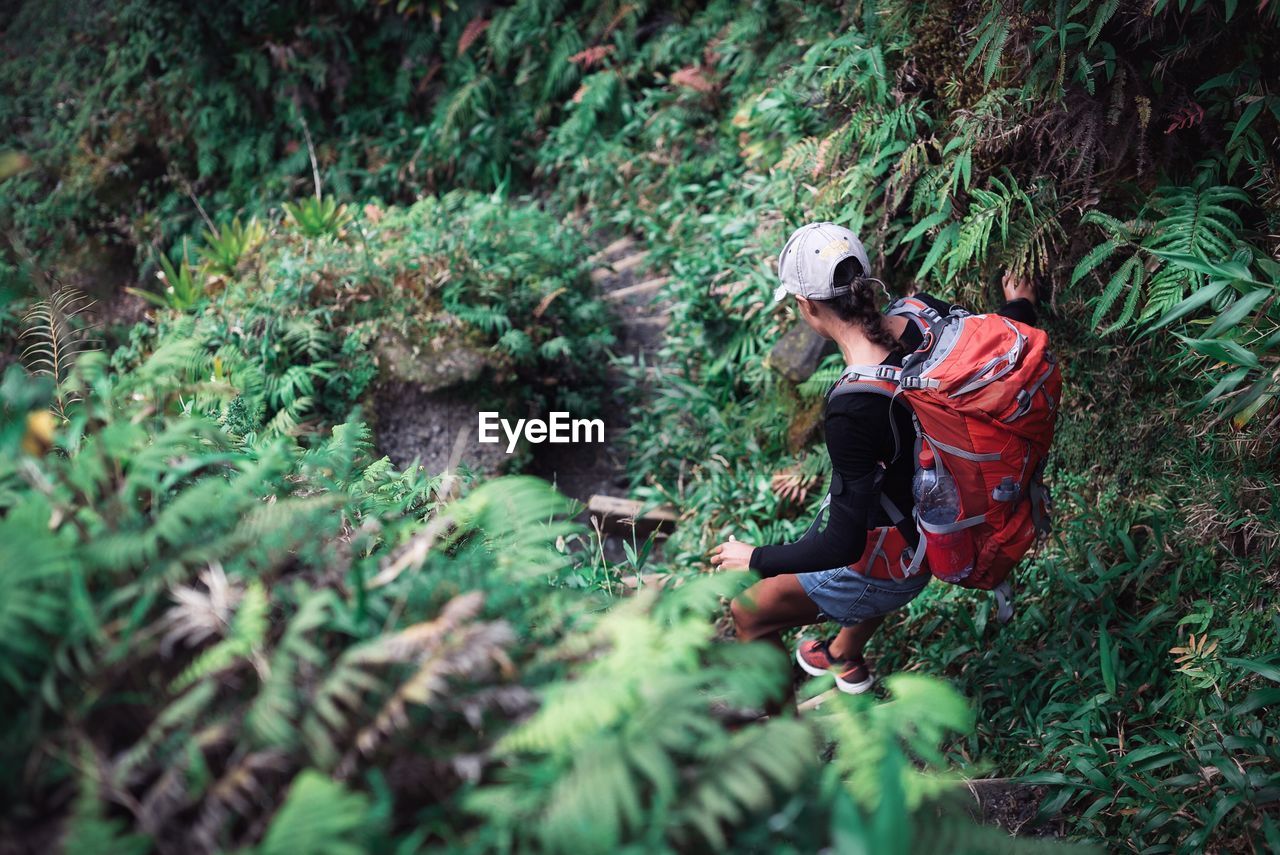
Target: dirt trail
436	425
581	471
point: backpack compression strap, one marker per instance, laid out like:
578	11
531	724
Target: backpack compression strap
899	520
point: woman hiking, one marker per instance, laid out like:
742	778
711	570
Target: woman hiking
834	571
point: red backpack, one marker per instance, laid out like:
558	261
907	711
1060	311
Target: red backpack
984	393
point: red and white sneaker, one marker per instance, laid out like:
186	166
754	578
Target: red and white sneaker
853	677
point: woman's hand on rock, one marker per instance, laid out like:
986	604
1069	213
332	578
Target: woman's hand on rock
1017	287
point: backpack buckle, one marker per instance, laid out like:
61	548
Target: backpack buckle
887	372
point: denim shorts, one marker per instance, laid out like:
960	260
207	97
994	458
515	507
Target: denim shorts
847	597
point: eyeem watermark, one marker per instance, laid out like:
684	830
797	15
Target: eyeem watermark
559	428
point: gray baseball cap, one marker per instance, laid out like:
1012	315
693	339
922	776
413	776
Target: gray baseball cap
809	259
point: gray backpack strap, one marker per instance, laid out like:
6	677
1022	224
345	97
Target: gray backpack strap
917	556
915	310
1004	601
877	552
914	539
852	381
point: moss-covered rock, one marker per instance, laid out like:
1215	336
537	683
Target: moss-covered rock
431	363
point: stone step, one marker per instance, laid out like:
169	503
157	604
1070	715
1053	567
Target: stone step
635	259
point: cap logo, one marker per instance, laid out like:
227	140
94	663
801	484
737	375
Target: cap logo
839	246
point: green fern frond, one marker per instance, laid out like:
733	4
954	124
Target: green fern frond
1105	12
173	719
1190	222
990	210
1129	273
286	420
1165	289
34	589
273	718
88	830
1094	257
305	338
1139	275
176	364
1196	221
742	780
828	372
995	48
872	739
319	816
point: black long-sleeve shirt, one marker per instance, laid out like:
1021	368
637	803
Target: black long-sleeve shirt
859	438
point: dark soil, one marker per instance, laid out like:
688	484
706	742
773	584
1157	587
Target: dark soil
414	425
581	471
1012	806
122	310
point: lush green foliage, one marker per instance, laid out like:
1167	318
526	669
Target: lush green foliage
223	620
293	330
958	177
226	636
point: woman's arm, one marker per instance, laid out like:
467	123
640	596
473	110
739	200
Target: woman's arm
1019	303
858	438
1020	299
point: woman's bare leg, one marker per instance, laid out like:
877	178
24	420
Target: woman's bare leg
778	603
851	641
764	610
771	605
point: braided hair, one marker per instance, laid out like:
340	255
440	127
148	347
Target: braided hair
858	304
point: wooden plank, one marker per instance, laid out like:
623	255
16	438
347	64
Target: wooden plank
658	320
617	268
645	287
816	701
649	580
630	509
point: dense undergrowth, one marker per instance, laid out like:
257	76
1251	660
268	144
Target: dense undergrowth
225	623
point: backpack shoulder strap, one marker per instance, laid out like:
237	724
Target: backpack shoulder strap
915	310
877	380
